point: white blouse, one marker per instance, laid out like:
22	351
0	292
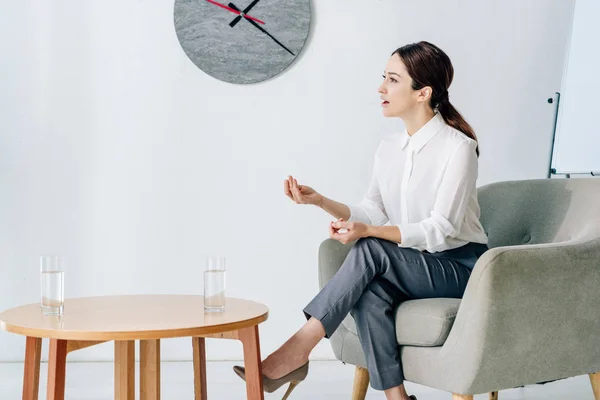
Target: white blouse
426	185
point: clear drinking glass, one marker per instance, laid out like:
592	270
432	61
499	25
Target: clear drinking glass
214	284
52	284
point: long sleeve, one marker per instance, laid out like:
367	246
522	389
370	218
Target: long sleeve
370	210
457	185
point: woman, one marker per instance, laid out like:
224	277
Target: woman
424	185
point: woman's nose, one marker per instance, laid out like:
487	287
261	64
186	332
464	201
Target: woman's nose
381	89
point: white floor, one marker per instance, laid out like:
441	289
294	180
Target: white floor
329	380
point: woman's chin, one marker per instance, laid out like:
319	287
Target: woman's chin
388	113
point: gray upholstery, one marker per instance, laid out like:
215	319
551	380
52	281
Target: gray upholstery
424	322
530	310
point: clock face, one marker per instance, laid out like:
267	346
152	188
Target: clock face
242	41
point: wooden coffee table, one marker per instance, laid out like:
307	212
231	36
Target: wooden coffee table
125	319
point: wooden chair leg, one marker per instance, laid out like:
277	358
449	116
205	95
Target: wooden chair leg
361	383
124	370
251	343
493	395
31	373
150	369
595	380
57	367
199	348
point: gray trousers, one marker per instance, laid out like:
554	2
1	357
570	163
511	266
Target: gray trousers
376	276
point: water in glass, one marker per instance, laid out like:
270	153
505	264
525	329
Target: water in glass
52	292
214	291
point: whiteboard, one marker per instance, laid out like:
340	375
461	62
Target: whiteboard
577	141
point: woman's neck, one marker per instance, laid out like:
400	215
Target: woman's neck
417	119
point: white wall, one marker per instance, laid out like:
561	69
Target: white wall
117	152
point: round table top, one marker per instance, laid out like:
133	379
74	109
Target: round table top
132	317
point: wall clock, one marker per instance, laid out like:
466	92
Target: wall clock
242	41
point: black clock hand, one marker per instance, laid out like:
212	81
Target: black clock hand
246	11
260	28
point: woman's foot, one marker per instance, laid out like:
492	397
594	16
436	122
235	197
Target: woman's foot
294	353
284	360
398	393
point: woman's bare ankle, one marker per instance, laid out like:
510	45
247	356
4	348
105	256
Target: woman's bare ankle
397	393
397	396
277	365
295	351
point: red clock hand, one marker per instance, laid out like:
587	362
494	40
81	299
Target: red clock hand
234	11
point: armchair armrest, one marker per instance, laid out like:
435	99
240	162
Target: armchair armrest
530	313
331	256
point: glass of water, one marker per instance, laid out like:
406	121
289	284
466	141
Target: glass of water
214	284
52	284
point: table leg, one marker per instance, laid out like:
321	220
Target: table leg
57	367
252	362
150	369
31	374
199	347
124	370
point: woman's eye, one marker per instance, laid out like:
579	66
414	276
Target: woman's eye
393	80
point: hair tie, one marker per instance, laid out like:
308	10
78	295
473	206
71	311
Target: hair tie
445	97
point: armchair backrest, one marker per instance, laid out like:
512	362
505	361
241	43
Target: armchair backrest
540	211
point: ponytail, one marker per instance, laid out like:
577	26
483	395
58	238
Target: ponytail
455	120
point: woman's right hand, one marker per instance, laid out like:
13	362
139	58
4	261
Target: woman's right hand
301	194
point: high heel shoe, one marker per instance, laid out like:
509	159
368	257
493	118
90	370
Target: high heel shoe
271	385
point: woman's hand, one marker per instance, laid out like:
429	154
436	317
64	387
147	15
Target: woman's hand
346	232
301	194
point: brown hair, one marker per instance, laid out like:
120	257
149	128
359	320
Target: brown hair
428	65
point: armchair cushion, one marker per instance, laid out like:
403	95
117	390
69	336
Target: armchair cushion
423	322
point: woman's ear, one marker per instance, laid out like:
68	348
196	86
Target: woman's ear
424	94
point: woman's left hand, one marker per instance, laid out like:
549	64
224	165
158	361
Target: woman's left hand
346	232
